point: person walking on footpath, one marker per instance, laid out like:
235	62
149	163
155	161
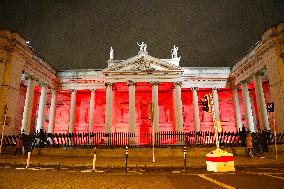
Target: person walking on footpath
249	145
243	136
24	142
19	144
265	140
258	144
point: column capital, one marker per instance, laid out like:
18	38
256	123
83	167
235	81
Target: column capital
246	81
73	90
27	77
92	90
215	88
237	86
108	84
260	73
194	88
131	83
42	84
53	90
177	83
154	83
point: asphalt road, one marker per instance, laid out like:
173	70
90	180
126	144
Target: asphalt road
81	177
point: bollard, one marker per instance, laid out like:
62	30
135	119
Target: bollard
184	158
94	160
28	160
126	158
23	150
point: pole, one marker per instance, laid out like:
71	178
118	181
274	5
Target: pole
275	142
28	160
184	158
126	158
214	121
153	143
89	139
153	133
3	128
94	160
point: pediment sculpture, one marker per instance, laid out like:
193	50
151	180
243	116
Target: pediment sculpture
142	65
142	46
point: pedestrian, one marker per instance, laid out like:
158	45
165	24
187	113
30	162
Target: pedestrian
257	144
29	142
24	142
42	138
265	140
249	145
243	136
19	144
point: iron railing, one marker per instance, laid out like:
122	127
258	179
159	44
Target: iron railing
166	138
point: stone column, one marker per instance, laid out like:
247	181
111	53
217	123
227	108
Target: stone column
72	111
178	107
155	88
195	109
216	104
132	120
261	106
247	107
91	109
27	115
52	112
237	109
108	113
11	67
41	108
132	127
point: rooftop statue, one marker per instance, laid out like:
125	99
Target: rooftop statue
174	52
143	47
111	53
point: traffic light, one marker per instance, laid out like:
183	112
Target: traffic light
210	103
205	103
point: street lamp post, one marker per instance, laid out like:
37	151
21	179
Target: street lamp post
217	125
151	116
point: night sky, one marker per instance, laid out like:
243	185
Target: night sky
76	34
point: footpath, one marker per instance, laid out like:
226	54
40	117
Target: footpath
137	157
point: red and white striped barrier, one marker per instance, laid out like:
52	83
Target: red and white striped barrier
220	161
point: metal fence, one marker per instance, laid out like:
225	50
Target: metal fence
119	139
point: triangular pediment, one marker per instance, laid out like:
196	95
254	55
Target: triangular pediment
143	63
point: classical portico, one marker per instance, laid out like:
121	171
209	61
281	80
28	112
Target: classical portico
263	67
21	68
143	68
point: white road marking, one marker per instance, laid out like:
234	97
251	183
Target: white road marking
134	172
266	174
20	168
215	181
273	176
267	168
86	171
226	173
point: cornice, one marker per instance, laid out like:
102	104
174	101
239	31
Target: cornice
32	64
255	61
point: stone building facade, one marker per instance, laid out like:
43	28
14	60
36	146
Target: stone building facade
117	98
